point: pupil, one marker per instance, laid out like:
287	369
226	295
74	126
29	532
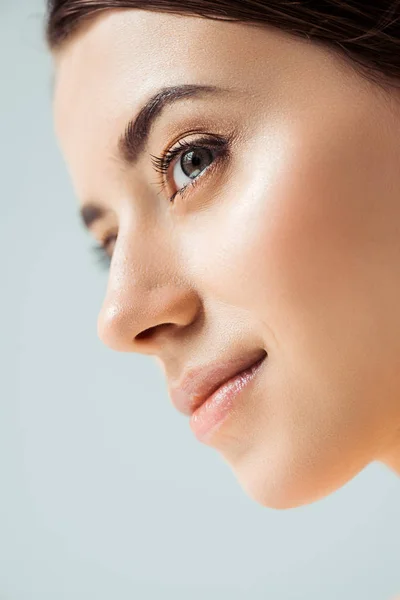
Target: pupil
195	161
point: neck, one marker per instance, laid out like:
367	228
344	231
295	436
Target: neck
392	457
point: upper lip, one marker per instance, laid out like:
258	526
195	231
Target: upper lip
198	384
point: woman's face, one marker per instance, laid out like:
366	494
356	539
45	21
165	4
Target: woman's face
286	238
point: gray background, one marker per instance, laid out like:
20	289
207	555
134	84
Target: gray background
105	493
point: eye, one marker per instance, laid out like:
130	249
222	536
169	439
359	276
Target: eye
181	166
101	252
191	164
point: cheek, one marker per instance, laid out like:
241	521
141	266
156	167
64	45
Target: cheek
293	241
276	240
290	245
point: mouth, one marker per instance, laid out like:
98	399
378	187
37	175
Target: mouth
239	376
200	383
210	414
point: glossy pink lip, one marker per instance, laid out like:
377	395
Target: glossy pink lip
211	415
199	384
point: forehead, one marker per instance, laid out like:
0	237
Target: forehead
122	57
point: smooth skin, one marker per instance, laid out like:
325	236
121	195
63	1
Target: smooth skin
291	245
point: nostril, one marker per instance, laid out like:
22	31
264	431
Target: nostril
144	335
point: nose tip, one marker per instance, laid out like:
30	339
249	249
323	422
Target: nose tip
112	328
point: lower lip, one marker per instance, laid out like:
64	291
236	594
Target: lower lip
211	414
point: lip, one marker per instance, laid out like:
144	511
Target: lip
199	384
212	413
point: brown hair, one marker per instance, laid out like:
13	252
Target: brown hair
366	31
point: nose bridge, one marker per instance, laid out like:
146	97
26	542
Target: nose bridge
144	292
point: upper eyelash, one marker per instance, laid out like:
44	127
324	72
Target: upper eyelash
161	164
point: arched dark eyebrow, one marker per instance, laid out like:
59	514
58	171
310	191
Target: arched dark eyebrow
133	141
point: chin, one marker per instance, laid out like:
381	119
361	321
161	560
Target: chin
280	497
292	483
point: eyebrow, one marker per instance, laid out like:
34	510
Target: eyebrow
132	142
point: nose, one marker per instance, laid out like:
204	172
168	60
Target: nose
142	307
135	321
